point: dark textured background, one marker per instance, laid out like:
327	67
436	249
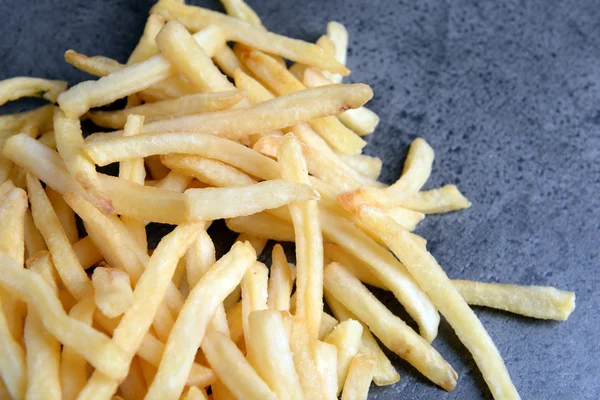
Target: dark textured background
505	92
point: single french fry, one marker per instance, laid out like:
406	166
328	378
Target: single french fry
357	267
12	356
384	372
359	378
280	281
270	355
48	139
327	324
235	321
70	270
391	330
146	46
346	338
96	65
325	356
217	203
196	18
12	232
365	165
264	226
64	213
282	82
69	142
436	201
86	252
301	348
255	91
212	172
542	302
174	181
338	35
112	291
309	241
227	61
73	375
242	11
186	105
131	79
147	298
197	312
254	294
233	369
15	88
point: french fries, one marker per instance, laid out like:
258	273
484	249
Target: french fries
112	291
254	294
212	172
15	88
346	338
359	378
280	281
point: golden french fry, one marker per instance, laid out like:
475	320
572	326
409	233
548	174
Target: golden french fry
112	291
301	348
346	338
12	356
131	79
86	252
365	165
436	201
338	35
256	92
235	321
147	298
391	330
134	385
96	65
212	172
69	142
227	61
327	324
178	107
146	46
359	378
64	213
197	312
280	281
270	355
196	18
309	241
325	356
15	88
263	225
254	294
233	369
542	302
384	372
241	10
282	82
217	203
12	233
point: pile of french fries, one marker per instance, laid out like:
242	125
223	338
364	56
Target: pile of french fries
217	131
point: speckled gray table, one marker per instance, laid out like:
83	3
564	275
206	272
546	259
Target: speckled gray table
508	95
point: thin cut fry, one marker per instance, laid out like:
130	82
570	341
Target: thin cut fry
359	378
346	338
86	252
436	201
178	107
327	325
64	213
256	92
309	241
227	61
300	346
357	267
217	203
365	165
96	65
112	291
197	312
241	10
12	356
212	172
174	181
196	18
48	139
542	302
146	46
254	294
325	356
391	330
233	369
270	355
15	88
34	241
338	35
280	281
264	226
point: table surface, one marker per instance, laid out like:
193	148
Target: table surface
505	92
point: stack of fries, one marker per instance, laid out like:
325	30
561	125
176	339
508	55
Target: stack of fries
276	152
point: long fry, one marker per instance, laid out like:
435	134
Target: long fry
146	46
64	213
196	18
188	332
264	226
15	88
212	172
12	357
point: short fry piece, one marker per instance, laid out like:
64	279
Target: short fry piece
96	65
325	356
280	281
15	88
254	294
346	338
241	10
300	345
359	378
112	291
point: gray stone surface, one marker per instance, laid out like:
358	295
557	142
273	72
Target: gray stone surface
507	94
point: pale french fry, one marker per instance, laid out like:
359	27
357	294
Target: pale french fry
12	232
12	356
359	378
174	181
48	139
280	281
69	142
325	356
96	65
263	225
338	36
91	344
112	291
227	61
179	47
134	385
194	393
15	88
242	11
384	372
309	241
436	201
196	18
327	324
346	338
131	79
212	172
216	203
235	321
178	107
70	270
258	243
270	355
391	330
542	302
357	267
282	82
73	374
300	346
256	92
146	46
407	219
147	298
254	294
41	117
417	169
197	312
365	165
64	213
233	369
